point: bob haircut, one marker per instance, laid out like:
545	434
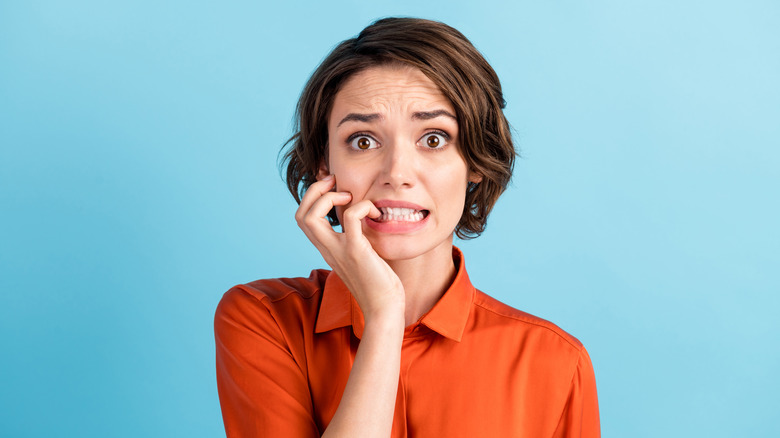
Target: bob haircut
450	61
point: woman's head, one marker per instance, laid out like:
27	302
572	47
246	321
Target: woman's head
450	62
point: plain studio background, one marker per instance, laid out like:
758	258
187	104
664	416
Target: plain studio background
138	182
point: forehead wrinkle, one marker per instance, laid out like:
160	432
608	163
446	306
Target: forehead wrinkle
373	108
381	92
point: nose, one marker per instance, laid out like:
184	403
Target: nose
400	165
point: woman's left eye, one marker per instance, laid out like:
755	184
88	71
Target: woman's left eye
434	140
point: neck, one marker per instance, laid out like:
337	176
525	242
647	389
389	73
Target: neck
425	279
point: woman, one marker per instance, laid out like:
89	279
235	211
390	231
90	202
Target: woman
403	142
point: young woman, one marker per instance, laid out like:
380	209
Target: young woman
402	141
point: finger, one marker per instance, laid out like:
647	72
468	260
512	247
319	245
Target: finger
315	220
325	203
314	192
354	215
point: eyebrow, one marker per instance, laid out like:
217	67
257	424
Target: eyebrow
354	117
427	115
419	115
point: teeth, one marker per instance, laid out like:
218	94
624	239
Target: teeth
400	214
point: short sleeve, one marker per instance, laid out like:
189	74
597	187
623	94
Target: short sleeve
263	391
580	416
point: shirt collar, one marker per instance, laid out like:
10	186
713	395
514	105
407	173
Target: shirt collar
448	316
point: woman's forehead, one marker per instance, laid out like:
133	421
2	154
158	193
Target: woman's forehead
389	88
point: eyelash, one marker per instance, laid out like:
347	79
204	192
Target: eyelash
357	135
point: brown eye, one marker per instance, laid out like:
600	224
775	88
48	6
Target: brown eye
435	140
363	143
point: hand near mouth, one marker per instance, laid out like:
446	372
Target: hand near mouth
375	286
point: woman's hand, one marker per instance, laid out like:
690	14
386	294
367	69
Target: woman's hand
366	407
376	288
368	401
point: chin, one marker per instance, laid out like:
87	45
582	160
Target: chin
391	253
394	248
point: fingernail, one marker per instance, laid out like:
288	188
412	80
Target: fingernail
328	178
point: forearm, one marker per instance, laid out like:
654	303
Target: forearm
366	408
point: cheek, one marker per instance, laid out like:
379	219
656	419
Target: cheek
449	186
347	180
351	178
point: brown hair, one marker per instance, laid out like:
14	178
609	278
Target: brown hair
448	59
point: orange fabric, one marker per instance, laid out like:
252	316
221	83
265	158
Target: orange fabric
471	367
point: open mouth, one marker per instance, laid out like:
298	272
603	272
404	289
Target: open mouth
395	214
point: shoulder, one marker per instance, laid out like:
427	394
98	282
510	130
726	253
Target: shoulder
523	324
274	290
278	298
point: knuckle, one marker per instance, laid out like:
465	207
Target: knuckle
310	220
326	197
351	214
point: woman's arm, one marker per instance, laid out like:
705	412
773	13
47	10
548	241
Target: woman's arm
366	408
263	391
580	416
367	405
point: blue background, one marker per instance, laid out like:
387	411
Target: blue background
138	182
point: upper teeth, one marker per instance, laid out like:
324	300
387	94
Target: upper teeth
397	211
400	214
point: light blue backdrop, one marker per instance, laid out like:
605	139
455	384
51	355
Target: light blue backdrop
138	182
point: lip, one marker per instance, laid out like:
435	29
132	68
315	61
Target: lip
397	227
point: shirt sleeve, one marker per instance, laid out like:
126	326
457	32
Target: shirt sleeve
263	391
580	416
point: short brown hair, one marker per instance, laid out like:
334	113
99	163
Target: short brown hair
448	59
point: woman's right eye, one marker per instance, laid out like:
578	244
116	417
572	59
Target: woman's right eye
362	142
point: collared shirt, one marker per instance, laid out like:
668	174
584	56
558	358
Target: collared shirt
470	367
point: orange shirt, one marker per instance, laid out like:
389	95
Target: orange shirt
470	367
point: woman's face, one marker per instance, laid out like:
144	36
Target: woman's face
393	140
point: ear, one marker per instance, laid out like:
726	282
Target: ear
322	171
475	177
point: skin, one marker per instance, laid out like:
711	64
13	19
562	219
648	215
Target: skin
409	132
